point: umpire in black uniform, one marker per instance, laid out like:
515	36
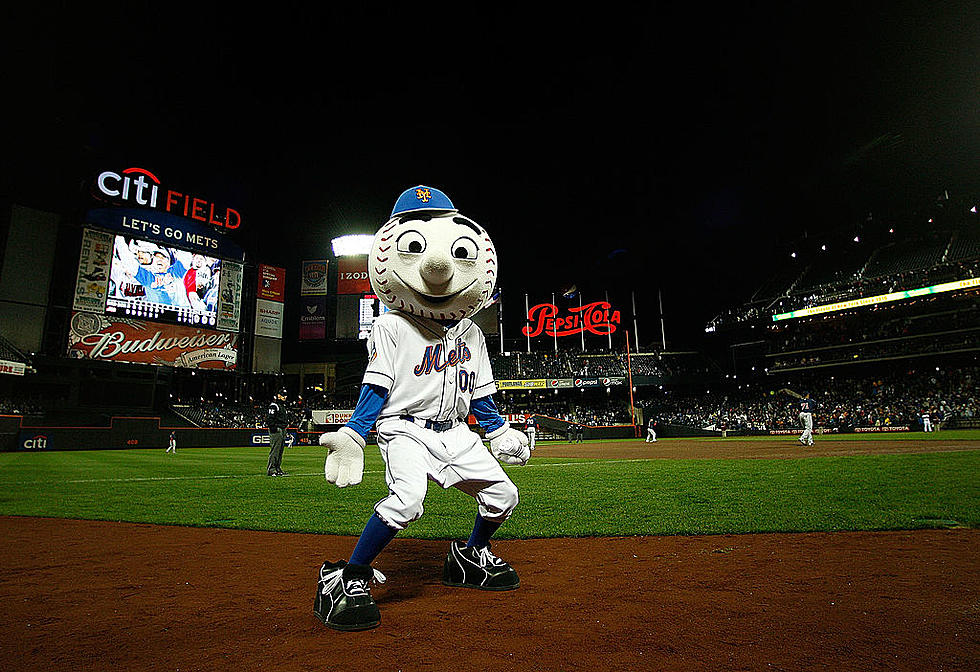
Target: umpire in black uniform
278	420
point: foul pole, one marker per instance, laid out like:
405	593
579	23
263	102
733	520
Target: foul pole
629	372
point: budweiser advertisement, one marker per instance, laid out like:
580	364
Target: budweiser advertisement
94	336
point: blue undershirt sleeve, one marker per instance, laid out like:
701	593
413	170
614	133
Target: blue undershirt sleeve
486	413
369	405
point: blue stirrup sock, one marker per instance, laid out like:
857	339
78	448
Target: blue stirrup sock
372	541
483	529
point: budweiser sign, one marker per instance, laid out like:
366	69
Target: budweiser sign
597	318
94	336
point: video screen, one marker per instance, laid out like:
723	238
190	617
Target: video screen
151	281
356	314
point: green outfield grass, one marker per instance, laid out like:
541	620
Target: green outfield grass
226	487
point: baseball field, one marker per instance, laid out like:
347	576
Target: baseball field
860	553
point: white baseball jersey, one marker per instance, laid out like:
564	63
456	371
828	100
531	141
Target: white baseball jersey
431	372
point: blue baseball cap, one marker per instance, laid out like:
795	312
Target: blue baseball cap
421	198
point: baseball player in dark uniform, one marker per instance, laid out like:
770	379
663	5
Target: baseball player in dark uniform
278	420
807	406
651	431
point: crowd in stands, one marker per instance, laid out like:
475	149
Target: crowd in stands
592	412
955	341
216	414
574	364
899	399
930	325
20	406
913	318
230	414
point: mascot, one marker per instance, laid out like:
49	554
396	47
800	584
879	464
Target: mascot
428	369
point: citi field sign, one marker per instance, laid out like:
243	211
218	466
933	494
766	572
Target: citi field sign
139	187
598	318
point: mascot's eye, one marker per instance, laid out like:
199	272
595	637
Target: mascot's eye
412	242
464	248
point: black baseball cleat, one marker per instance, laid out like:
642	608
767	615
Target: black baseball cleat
469	567
343	597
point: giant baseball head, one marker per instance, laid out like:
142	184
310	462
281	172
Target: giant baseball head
430	260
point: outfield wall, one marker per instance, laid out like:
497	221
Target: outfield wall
147	432
134	433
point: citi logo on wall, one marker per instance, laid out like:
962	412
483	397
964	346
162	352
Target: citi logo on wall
140	187
37	442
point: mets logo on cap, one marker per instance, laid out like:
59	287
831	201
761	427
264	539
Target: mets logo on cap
421	198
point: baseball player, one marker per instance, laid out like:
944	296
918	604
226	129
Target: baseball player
172	447
807	406
926	421
277	418
531	429
428	370
651	431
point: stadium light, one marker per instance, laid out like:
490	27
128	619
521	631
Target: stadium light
973	209
857	239
793	254
823	247
353	245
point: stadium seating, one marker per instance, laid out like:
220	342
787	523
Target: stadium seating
964	246
845	402
9	352
907	256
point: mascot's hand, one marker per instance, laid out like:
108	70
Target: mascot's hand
345	457
509	445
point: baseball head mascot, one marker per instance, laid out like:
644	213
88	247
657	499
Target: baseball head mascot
428	369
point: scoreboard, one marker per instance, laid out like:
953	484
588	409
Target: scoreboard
155	288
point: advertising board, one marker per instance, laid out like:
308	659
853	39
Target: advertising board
98	337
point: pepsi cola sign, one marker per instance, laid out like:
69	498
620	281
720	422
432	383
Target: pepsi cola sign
598	317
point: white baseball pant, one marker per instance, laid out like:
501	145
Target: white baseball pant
455	458
806	419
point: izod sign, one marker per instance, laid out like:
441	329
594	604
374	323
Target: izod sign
352	275
598	318
138	187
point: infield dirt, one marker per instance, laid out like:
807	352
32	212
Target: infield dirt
84	595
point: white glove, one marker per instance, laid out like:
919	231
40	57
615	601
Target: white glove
509	445
345	457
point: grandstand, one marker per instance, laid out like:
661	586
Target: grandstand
842	266
821	322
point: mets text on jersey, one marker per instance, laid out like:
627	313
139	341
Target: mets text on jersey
432	359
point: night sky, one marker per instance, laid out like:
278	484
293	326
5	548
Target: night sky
680	148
